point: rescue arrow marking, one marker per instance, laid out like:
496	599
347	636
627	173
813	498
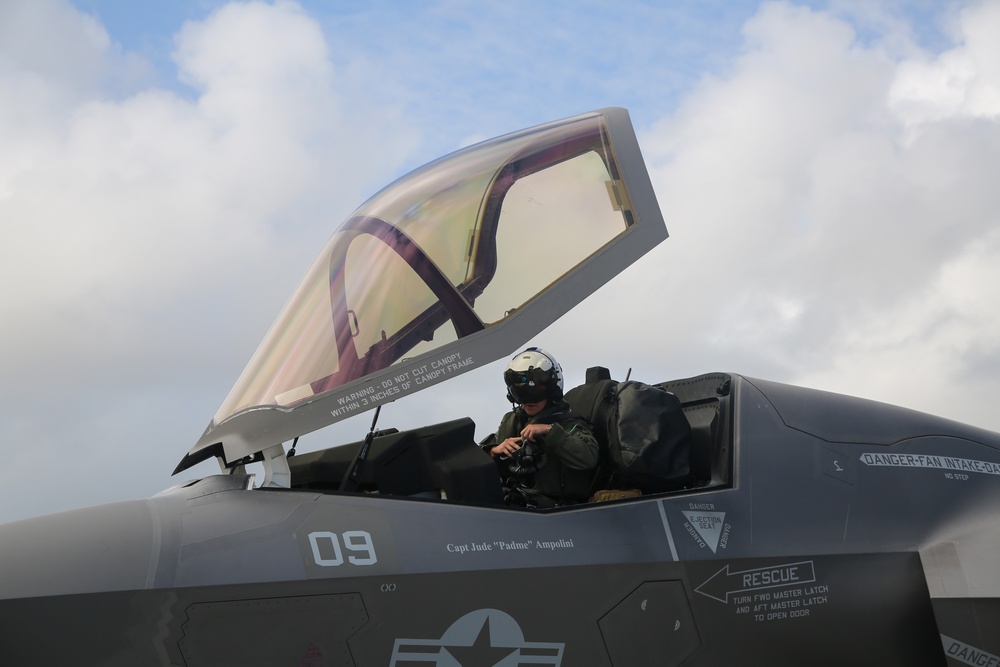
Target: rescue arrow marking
724	583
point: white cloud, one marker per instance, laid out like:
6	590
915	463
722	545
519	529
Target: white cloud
121	207
147	239
961	82
73	56
935	347
814	240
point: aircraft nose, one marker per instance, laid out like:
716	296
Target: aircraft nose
97	549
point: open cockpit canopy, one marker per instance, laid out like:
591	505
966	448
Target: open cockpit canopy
452	266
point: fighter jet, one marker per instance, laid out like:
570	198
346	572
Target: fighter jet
798	526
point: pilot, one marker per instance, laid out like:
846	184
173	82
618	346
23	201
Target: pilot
546	453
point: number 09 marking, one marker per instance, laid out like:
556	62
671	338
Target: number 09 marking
326	548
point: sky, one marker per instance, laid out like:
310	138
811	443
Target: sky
827	172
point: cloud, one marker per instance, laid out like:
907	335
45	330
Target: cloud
816	239
140	229
962	82
75	55
119	208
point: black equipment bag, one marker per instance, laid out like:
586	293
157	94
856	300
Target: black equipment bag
644	435
649	438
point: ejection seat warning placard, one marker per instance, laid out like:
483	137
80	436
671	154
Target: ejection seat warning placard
707	526
381	391
767	594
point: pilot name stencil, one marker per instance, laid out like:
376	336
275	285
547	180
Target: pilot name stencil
381	391
772	593
512	545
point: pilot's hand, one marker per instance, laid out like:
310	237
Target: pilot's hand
506	448
533	431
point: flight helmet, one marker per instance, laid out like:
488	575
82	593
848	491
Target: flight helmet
533	375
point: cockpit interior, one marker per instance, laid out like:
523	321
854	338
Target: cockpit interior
443	462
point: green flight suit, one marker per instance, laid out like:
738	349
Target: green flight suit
572	454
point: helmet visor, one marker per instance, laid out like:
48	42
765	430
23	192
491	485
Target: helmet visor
530	386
